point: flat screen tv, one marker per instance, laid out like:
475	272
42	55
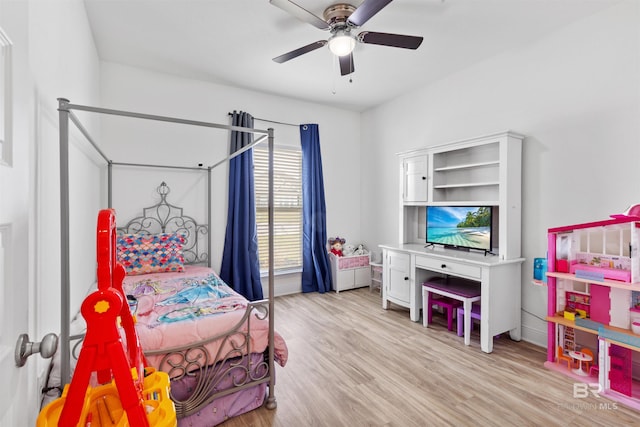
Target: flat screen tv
460	227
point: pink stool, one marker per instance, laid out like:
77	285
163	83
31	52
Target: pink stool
465	291
445	303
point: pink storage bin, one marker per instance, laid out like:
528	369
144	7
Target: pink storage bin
356	261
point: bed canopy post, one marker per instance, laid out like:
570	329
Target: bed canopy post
63	114
271	400
209	216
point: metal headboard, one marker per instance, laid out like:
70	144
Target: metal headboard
167	218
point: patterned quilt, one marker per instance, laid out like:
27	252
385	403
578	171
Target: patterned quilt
177	309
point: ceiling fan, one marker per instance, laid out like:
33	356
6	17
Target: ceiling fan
340	20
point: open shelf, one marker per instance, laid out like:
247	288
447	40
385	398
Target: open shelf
571	323
467	166
468	184
466	203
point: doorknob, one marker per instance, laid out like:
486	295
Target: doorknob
25	348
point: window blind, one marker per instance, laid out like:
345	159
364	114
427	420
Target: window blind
287	175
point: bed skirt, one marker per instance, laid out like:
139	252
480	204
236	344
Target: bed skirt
226	407
216	383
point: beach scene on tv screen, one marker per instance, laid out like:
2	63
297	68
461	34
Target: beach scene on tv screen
468	227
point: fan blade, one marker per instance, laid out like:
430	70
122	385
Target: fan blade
366	10
386	39
346	64
300	51
300	13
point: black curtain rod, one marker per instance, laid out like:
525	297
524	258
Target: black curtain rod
271	121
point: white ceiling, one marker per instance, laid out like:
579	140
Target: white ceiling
232	42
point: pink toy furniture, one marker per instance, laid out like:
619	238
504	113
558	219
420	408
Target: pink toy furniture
475	314
445	303
620	369
465	291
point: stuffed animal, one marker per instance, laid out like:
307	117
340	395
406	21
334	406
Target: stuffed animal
336	245
348	249
360	250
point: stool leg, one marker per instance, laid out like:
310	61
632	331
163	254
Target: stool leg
460	321
429	308
425	303
450	317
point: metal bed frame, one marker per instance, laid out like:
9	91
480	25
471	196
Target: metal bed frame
194	357
163	217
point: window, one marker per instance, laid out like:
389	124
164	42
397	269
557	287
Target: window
287	186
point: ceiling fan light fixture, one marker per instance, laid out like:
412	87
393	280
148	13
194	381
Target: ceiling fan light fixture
342	43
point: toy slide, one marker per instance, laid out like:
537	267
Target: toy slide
128	394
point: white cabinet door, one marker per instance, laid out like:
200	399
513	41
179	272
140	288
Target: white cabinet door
19	395
362	277
19	402
345	280
399	286
415	178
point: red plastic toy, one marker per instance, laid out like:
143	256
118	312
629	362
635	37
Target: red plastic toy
125	386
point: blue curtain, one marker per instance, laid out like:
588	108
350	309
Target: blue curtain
316	274
240	263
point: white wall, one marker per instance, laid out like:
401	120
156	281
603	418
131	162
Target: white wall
575	94
53	56
64	63
144	91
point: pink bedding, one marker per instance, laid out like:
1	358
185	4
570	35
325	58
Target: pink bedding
177	309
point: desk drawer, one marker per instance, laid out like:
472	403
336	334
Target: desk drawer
449	267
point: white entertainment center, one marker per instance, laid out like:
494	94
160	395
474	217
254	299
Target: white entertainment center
483	171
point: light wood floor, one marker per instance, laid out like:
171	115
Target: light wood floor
351	363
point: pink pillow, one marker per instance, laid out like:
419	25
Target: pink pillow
150	253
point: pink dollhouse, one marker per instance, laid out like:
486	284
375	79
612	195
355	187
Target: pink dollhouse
593	311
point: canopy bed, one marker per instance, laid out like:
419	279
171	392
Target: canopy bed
226	363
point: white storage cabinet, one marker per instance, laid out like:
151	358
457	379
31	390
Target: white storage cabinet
350	272
483	171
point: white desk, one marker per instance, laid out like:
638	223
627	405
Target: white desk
407	266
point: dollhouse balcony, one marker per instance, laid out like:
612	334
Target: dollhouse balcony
606	282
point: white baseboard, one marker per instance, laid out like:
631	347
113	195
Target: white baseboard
534	335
